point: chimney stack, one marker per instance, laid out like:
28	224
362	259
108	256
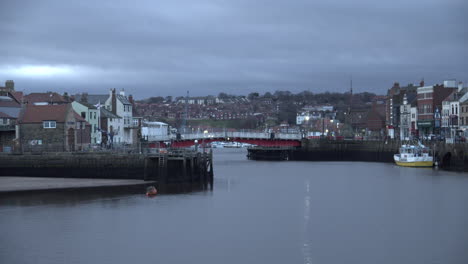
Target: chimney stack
460	86
10	85
421	84
113	102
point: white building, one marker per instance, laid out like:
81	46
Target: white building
92	115
155	131
405	119
304	117
414	118
111	125
445	117
120	105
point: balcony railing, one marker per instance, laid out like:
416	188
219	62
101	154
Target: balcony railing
7	127
130	125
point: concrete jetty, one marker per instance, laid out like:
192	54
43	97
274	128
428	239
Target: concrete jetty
34	184
173	166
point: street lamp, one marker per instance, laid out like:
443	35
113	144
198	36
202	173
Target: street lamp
81	135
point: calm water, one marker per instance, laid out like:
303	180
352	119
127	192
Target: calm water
258	212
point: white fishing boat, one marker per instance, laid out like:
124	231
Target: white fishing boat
416	155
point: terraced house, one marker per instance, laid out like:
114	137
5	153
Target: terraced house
120	105
52	128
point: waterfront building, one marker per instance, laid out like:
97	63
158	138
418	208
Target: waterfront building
376	118
452	111
7	132
52	128
394	101
120	105
405	119
92	115
414	119
429	101
154	130
10	106
445	118
110	126
464	117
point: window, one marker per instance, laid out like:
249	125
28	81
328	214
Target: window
5	121
49	124
83	115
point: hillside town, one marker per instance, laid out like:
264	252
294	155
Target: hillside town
65	122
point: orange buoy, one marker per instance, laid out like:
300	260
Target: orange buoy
151	191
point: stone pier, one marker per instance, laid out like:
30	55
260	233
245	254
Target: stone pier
171	167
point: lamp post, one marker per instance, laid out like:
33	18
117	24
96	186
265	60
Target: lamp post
437	121
81	135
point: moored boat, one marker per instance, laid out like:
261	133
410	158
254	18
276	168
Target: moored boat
416	155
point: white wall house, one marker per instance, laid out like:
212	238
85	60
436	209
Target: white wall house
111	124
92	115
119	105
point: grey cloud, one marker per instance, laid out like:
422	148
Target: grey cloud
168	47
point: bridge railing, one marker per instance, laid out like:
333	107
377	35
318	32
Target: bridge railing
160	138
297	136
225	135
248	135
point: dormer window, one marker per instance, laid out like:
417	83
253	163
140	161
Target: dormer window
49	124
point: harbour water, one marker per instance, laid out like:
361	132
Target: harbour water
257	212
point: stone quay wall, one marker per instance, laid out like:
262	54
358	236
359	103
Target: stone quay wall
164	168
447	156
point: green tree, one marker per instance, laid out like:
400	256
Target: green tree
253	96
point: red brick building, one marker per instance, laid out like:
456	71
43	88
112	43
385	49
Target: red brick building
429	101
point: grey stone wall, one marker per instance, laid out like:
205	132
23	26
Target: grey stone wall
179	169
53	138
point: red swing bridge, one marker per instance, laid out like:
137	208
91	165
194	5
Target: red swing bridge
263	139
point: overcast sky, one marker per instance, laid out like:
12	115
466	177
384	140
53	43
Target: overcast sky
156	47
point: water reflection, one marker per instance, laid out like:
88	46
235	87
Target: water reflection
306	250
73	197
258	212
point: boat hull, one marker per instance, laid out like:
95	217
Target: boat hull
415	163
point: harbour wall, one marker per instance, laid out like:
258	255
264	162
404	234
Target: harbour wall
447	156
181	167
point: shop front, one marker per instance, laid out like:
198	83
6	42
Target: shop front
425	127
